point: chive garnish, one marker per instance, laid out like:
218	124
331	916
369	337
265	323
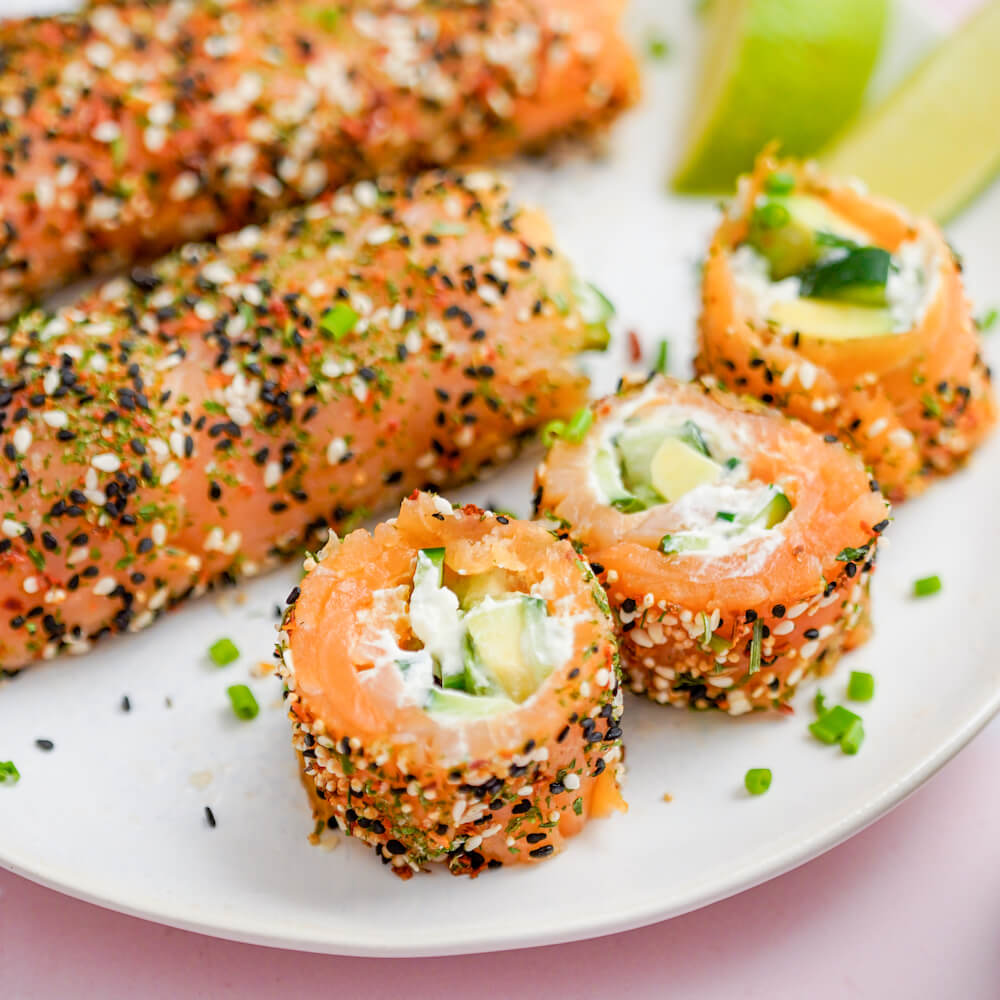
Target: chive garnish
244	703
833	724
579	424
851	741
338	321
926	586
771	215
552	430
987	321
861	686
780	182
851	555
757	780
819	702
657	47
755	644
662	365
223	652
725	515
8	772
731	463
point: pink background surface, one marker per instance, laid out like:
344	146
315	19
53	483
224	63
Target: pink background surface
909	908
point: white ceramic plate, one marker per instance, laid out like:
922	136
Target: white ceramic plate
115	814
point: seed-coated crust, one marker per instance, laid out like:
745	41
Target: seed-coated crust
197	420
128	129
913	404
414	800
696	651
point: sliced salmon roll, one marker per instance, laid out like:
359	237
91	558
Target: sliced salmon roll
735	545
197	419
130	128
846	312
452	682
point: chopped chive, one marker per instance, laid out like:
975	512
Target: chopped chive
339	321
861	686
244	703
780	182
833	724
819	702
731	463
987	321
926	586
578	425
223	652
851	741
755	644
725	515
552	430
657	47
757	780
931	405
662	365
851	555
628	505
8	772
771	215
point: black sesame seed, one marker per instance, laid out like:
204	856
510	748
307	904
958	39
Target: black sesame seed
45	745
542	852
210	817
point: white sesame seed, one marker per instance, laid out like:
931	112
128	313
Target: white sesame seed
783	628
571	781
22	439
106	462
380	235
106	131
105	585
170	472
12	528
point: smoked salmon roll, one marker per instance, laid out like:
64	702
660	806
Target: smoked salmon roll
197	419
452	683
843	310
133	127
735	545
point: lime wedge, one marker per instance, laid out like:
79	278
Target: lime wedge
934	143
791	70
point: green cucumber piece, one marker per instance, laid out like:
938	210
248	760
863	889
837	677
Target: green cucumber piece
857	275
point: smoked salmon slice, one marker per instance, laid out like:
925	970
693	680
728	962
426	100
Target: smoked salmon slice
130	128
736	545
843	310
452	683
197	419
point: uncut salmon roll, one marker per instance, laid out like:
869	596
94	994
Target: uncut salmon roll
452	682
131	128
200	418
735	545
843	310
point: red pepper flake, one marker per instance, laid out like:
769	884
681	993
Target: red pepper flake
634	347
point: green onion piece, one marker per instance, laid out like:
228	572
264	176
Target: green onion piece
223	652
668	545
861	686
662	365
987	321
579	424
931	405
339	321
657	47
757	780
725	515
833	724
755	644
852	555
926	586
819	702
780	182
8	772
732	463
244	703
851	741
771	215
552	430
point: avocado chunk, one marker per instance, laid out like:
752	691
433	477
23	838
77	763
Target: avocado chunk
504	643
469	706
677	468
794	231
828	320
857	274
473	588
